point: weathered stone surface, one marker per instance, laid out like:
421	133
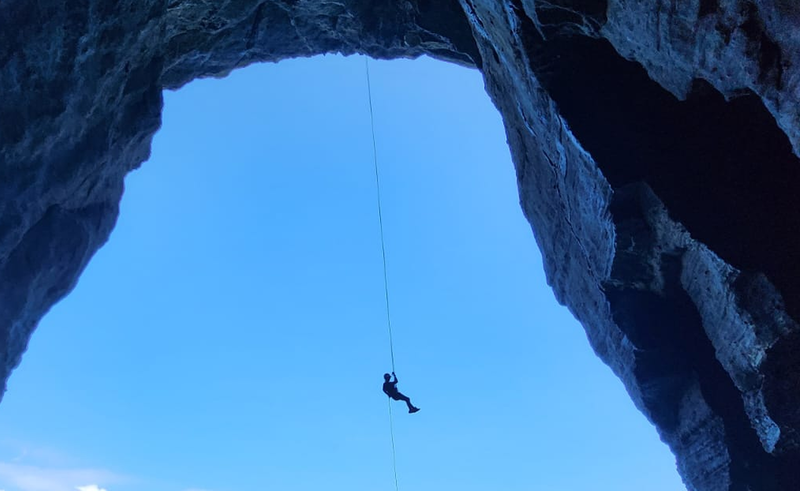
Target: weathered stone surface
656	152
81	101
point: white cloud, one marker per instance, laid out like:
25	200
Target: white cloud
34	478
24	453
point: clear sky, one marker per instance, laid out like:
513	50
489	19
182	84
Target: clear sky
231	335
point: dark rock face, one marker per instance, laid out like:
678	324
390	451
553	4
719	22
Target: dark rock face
81	101
656	147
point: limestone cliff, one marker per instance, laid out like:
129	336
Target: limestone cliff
655	144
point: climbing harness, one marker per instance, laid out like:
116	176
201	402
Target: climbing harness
383	254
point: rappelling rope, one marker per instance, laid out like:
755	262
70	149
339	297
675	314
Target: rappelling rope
394	456
380	213
383	254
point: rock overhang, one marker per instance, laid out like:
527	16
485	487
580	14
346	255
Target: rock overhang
655	146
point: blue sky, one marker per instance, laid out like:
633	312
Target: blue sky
231	335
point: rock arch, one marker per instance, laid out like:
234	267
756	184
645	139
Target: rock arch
655	145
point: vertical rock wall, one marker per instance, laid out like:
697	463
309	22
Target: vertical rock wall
655	145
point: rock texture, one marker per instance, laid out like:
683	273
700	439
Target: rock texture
656	147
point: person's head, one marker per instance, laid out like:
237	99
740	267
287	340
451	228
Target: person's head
386	377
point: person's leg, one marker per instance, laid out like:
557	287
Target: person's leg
401	397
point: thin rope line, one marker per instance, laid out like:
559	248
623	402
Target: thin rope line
394	454
380	212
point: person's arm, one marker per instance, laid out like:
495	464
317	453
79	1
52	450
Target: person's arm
395	378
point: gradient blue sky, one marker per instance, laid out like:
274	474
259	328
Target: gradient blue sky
231	335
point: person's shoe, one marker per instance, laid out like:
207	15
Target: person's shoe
413	410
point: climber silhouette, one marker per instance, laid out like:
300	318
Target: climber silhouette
390	389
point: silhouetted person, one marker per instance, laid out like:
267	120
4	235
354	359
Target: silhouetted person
390	389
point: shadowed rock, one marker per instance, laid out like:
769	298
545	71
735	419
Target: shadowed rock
655	145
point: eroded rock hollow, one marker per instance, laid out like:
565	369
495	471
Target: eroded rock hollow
656	146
